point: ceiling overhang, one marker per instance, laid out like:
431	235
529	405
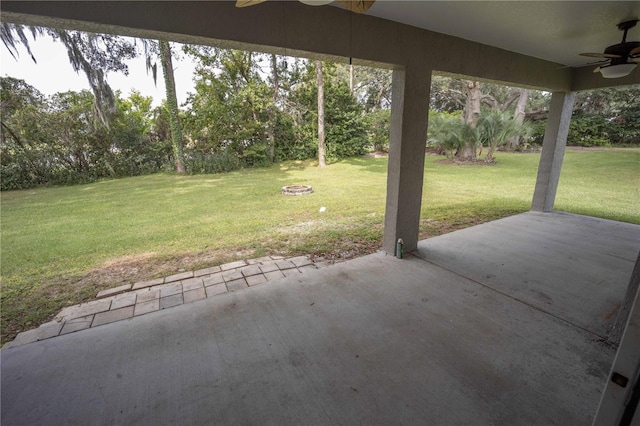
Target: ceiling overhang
323	32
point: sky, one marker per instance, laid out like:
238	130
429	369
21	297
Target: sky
53	73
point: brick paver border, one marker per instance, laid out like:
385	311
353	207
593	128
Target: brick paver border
128	301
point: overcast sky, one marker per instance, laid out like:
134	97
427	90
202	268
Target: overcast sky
53	73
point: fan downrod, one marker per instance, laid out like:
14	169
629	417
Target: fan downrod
625	26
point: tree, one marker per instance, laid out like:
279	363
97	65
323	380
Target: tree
370	86
275	80
13	35
344	121
24	139
449	95
470	117
321	153
162	49
233	110
601	117
606	116
56	140
136	145
78	138
496	128
446	132
519	116
446	94
94	54
172	104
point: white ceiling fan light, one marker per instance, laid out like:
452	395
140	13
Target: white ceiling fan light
316	2
617	71
357	6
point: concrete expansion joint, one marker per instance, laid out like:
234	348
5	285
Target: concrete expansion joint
519	300
131	300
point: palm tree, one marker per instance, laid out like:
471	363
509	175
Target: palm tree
497	128
452	135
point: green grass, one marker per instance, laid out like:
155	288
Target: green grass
61	245
602	184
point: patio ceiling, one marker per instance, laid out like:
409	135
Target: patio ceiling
555	31
519	42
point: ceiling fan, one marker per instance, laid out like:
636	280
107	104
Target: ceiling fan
357	6
619	59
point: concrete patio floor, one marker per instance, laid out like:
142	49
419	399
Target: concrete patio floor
501	324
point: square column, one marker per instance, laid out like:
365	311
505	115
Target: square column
553	146
407	142
617	404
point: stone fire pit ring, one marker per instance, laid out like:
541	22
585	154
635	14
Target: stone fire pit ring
297	190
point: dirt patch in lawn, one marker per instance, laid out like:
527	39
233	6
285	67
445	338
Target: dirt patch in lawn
465	163
24	308
130	269
376	154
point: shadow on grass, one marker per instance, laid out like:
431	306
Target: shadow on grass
298	165
377	165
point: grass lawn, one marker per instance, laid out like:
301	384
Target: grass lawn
61	245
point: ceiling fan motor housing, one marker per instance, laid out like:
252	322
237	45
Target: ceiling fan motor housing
622	50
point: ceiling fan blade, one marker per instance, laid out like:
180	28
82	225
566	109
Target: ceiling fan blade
596	70
635	51
599	55
245	3
601	62
357	6
635	60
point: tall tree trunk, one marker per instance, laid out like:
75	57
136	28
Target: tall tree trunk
470	116
271	133
322	161
471	111
518	116
172	104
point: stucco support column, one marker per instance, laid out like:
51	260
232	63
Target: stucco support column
553	146
407	140
617	404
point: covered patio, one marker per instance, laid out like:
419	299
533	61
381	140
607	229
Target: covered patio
510	334
501	323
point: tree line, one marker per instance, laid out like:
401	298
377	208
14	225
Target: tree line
469	116
249	109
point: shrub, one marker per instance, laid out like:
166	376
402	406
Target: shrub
588	130
378	125
446	132
216	162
